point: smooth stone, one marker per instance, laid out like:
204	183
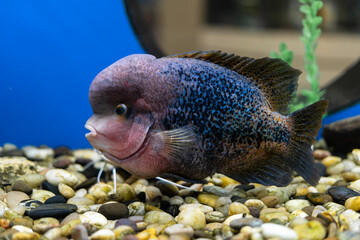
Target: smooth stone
208	199
66	191
55	199
30	204
167	188
218	191
63	161
179	229
62	150
44	224
271	230
349	219
38	154
330	161
41	195
296	204
222	205
335	169
81	192
319	198
202	207
113	211
349	165
14	198
20	185
254	211
236	216
238	208
126	191
190	200
237	224
350	176
317	210
176	200
23	221
103	234
86	184
80	232
268	214
54	233
193	217
79	201
349	235
214	216
100	190
159	217
320	154
123	232
11	168
56	210
93	218
270	201
70	217
353	203
341	194
210	227
56	176
49	187
255	203
173	210
127	222
312	230
136	209
338	208
25	236
152	192
355	185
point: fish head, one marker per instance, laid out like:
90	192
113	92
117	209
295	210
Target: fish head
125	120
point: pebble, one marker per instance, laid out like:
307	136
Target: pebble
103	234
44	224
13	198
255	203
136	209
353	203
158	217
127	222
193	217
100	190
56	176
30	204
45	185
38	153
122	231
167	188
335	169
55	233
41	195
341	194
79	232
179	229
271	230
238	208
176	200
208	199
270	201
268	214
330	160
320	154
222	205
93	218
55	199
355	185
57	210
296	204
113	211
218	191
80	201
312	230
239	223
22	186
11	168
236	216
214	216
202	207
319	198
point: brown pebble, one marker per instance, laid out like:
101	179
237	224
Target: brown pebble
254	211
62	162
4	223
270	201
319	198
308	210
130	237
80	232
320	154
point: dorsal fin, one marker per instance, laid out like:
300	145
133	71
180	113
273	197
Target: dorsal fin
274	77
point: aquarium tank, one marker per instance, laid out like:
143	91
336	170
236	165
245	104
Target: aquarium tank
169	119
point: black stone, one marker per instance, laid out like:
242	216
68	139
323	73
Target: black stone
83	161
90	171
255	212
301	197
30	204
237	224
87	183
321	168
55	199
173	210
52	188
245	187
55	210
142	197
238	199
164	205
127	222
343	135
341	194
167	188
113	211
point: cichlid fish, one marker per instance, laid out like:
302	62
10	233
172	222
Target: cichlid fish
194	114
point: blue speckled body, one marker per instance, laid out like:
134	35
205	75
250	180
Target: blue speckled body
230	114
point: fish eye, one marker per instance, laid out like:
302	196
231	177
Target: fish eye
121	109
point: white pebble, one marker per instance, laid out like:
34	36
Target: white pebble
272	230
202	207
103	234
53	233
38	153
22	229
93	218
56	176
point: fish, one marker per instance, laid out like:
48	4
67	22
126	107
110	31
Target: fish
194	114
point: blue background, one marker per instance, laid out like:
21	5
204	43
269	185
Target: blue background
50	51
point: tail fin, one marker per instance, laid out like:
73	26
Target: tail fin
305	124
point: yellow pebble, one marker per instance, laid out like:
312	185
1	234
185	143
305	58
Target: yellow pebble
353	203
208	199
226	181
330	160
25	236
143	235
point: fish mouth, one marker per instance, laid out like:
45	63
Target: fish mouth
117	161
92	133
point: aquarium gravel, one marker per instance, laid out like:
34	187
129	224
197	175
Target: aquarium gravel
54	194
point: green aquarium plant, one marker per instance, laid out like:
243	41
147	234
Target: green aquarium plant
310	35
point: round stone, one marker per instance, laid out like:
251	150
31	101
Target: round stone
320	154
53	233
158	217
63	161
193	217
113	211
341	194
270	201
13	198
202	207
268	214
255	203
312	230
238	208
123	232
49	187
12	168
167	188
222	205
296	204
20	185
179	229
237	224
254	211
335	169
103	234
127	222
271	230
353	203
80	201
30	204
55	199
208	199
56	210
44	224
41	195
319	198
56	176
93	218
214	216
66	191
331	160
80	232
218	191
